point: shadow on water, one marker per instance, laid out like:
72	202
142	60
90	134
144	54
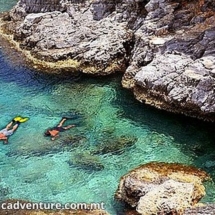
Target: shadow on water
192	136
25	77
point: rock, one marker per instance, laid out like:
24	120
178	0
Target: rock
168	86
64	143
169	197
189	45
86	161
207	209
103	37
81	43
114	145
155	188
4	190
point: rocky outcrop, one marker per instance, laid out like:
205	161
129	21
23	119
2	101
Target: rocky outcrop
162	188
172	64
73	37
164	48
176	81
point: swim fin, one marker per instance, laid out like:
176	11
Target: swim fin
20	119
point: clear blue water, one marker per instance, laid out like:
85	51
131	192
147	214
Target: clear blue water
6	5
36	169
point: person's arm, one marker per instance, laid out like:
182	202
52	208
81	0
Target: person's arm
54	137
6	140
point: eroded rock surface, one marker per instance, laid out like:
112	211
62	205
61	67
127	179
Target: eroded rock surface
176	81
208	209
172	65
166	49
72	34
162	188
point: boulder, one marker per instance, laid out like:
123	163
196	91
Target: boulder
86	161
155	188
114	145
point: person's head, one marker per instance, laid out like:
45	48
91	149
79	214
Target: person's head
47	133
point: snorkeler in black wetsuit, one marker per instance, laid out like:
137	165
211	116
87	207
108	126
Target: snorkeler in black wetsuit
54	132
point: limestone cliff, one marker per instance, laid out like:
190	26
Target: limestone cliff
165	48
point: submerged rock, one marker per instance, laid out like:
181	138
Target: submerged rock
4	191
115	145
155	188
86	161
65	143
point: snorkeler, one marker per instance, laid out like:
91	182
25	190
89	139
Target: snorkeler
11	128
54	132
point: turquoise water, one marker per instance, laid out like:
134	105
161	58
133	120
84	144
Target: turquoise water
6	5
113	134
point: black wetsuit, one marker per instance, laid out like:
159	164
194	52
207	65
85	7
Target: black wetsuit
60	129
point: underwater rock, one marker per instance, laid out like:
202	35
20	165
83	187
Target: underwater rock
162	188
86	161
8	203
64	143
69	142
4	191
115	145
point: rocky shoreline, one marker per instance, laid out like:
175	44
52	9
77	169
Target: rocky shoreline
164	49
